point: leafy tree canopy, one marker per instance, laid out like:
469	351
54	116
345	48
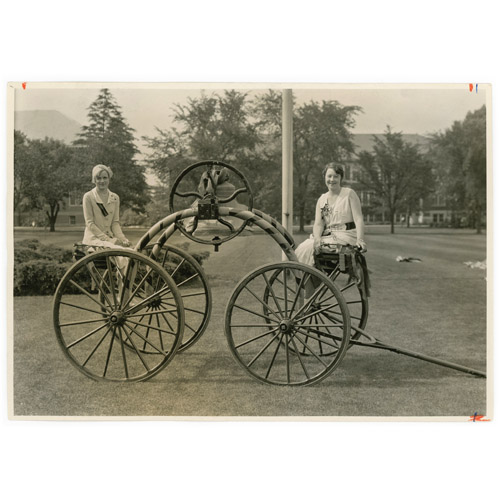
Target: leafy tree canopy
47	173
247	134
109	139
396	171
459	154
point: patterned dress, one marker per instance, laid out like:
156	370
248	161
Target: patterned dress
334	220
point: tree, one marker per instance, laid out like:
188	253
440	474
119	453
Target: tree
459	155
320	135
52	175
396	171
22	175
247	134
108	139
211	127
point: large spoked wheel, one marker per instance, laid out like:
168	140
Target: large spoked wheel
356	302
118	316
192	284
210	180
289	340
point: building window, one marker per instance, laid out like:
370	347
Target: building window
75	199
72	219
347	175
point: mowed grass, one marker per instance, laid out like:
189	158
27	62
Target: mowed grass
437	307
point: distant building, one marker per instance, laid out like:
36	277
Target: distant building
432	211
71	211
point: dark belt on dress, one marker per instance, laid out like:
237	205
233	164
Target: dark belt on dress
340	227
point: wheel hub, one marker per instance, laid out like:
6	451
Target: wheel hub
286	326
155	303
117	318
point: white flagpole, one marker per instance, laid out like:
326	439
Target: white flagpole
287	161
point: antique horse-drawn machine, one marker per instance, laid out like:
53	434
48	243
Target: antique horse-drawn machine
122	315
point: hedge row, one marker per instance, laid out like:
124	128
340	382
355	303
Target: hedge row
38	268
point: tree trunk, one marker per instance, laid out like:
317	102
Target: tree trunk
301	216
392	214
408	213
52	216
479	218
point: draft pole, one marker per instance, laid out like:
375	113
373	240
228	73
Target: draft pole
287	162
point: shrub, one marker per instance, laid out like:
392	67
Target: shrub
198	256
26	250
37	277
38	268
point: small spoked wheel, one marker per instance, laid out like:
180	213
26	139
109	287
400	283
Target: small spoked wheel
207	185
288	339
355	300
348	285
192	283
118	316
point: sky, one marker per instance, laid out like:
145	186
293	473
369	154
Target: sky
410	109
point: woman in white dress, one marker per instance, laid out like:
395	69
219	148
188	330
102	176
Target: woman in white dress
101	209
338	219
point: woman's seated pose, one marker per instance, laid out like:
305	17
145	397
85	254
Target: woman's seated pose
101	209
338	219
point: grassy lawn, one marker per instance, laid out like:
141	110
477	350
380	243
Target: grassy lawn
437	307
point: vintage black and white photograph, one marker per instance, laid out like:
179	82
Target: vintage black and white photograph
257	251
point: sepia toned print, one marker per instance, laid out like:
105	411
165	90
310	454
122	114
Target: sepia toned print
186	297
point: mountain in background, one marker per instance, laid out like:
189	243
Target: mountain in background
39	124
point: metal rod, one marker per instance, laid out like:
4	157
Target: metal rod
287	163
375	343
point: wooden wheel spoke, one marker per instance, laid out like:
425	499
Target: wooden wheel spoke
81	322
108	357
124	357
138	352
83	308
145	339
137	288
307	304
318	335
96	346
177	268
249	341
86	336
153	327
263	303
75	284
158	311
145	302
310	350
159	333
255	313
274	355
259	354
314	313
296	350
98	280
270	288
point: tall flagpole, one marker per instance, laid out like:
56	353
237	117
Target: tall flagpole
287	162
